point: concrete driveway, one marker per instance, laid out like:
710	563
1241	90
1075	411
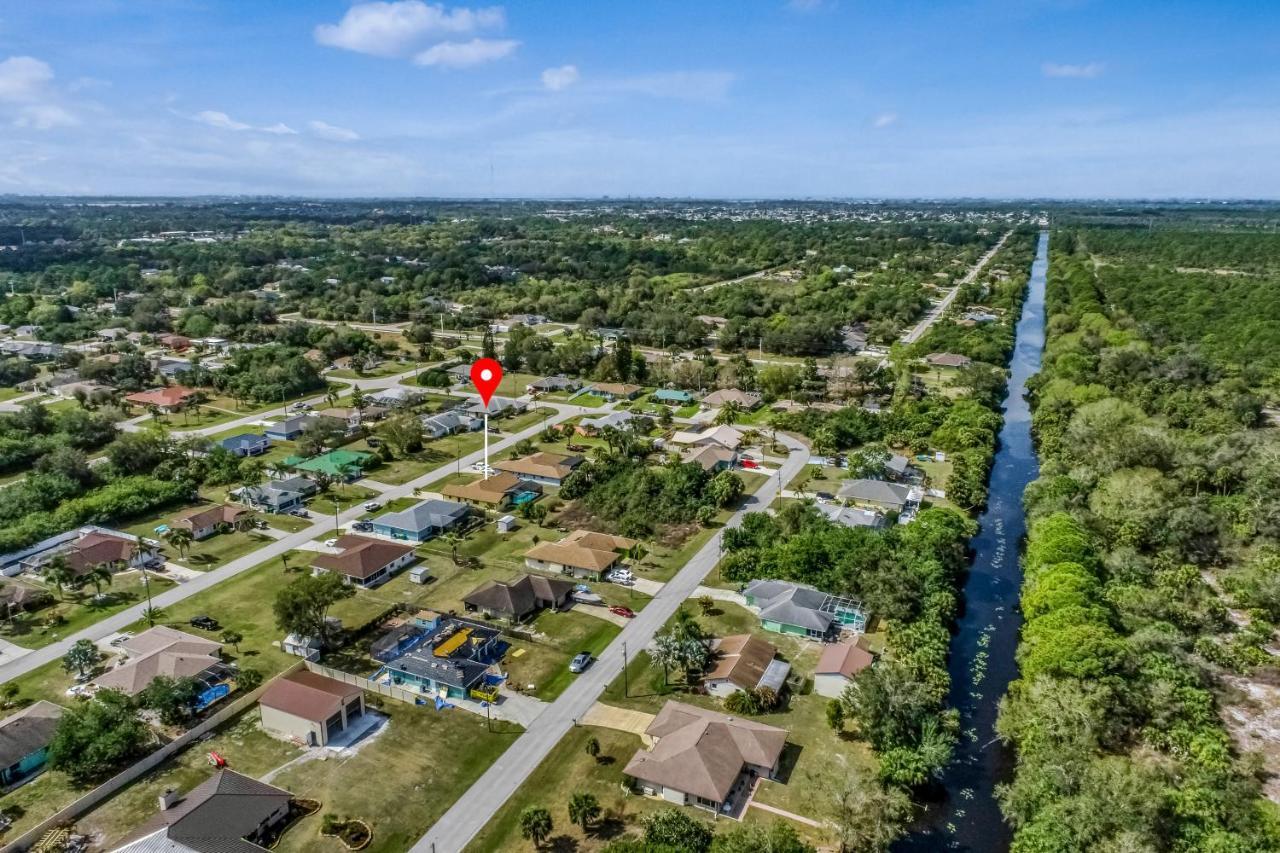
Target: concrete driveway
621	719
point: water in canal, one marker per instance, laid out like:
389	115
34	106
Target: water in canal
982	650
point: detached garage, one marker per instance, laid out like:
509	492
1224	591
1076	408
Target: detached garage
310	708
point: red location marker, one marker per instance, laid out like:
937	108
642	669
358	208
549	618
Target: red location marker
485	375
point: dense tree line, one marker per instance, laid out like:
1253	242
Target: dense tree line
1153	483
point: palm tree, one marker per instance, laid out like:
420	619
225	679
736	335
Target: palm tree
583	809
331	397
137	557
535	824
97	575
180	538
58	572
729	413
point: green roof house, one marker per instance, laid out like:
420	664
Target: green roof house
347	464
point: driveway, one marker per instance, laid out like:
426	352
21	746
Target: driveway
720	595
600	612
620	719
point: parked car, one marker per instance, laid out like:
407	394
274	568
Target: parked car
330	543
301	407
206	623
372	506
749	463
621	575
626	612
300	513
487	470
580	661
361	526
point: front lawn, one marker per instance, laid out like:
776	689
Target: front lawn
544	665
399	782
79	610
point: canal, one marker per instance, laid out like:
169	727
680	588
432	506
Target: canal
982	662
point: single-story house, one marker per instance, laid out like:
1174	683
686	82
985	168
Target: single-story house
423	521
98	547
788	406
289	428
168	399
746	399
364	561
549	469
897	466
24	742
744	662
227	812
519	599
792	608
165	651
725	436
309	708
448	657
499	490
581	554
246	444
461	373
70	390
837	667
394	397
18	597
347	464
174	368
851	516
710	457
552	383
890	496
204	522
672	397
277	496
177	343
616	420
346	418
498	406
699	757
451	422
948	359
616	390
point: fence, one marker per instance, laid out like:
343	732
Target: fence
133	772
389	690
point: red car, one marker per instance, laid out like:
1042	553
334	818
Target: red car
749	463
623	611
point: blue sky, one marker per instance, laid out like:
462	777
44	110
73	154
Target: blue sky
755	98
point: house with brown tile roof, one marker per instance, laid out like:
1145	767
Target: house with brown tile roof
744	662
203	522
549	469
163	651
309	708
365	561
746	399
498	490
167	399
581	554
839	665
519	599
616	390
947	359
704	758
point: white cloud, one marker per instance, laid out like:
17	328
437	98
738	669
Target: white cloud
884	120
213	118
218	119
563	77
393	29
45	117
24	78
466	54
1087	71
324	130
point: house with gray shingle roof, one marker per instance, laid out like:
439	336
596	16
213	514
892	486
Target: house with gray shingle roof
792	608
891	496
423	521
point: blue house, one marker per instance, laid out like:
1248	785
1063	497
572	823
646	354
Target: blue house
422	521
24	742
247	444
289	428
441	656
673	396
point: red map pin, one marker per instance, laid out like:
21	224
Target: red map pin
485	375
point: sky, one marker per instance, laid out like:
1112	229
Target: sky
700	98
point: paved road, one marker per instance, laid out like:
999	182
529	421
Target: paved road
322	526
938	310
483	799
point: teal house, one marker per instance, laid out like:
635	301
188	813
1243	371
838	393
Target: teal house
672	396
803	611
24	742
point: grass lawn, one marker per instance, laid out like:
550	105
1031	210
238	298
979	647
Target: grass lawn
545	662
340	498
588	400
391	367
10	393
818	478
78	610
287	523
241	741
400	782
566	769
